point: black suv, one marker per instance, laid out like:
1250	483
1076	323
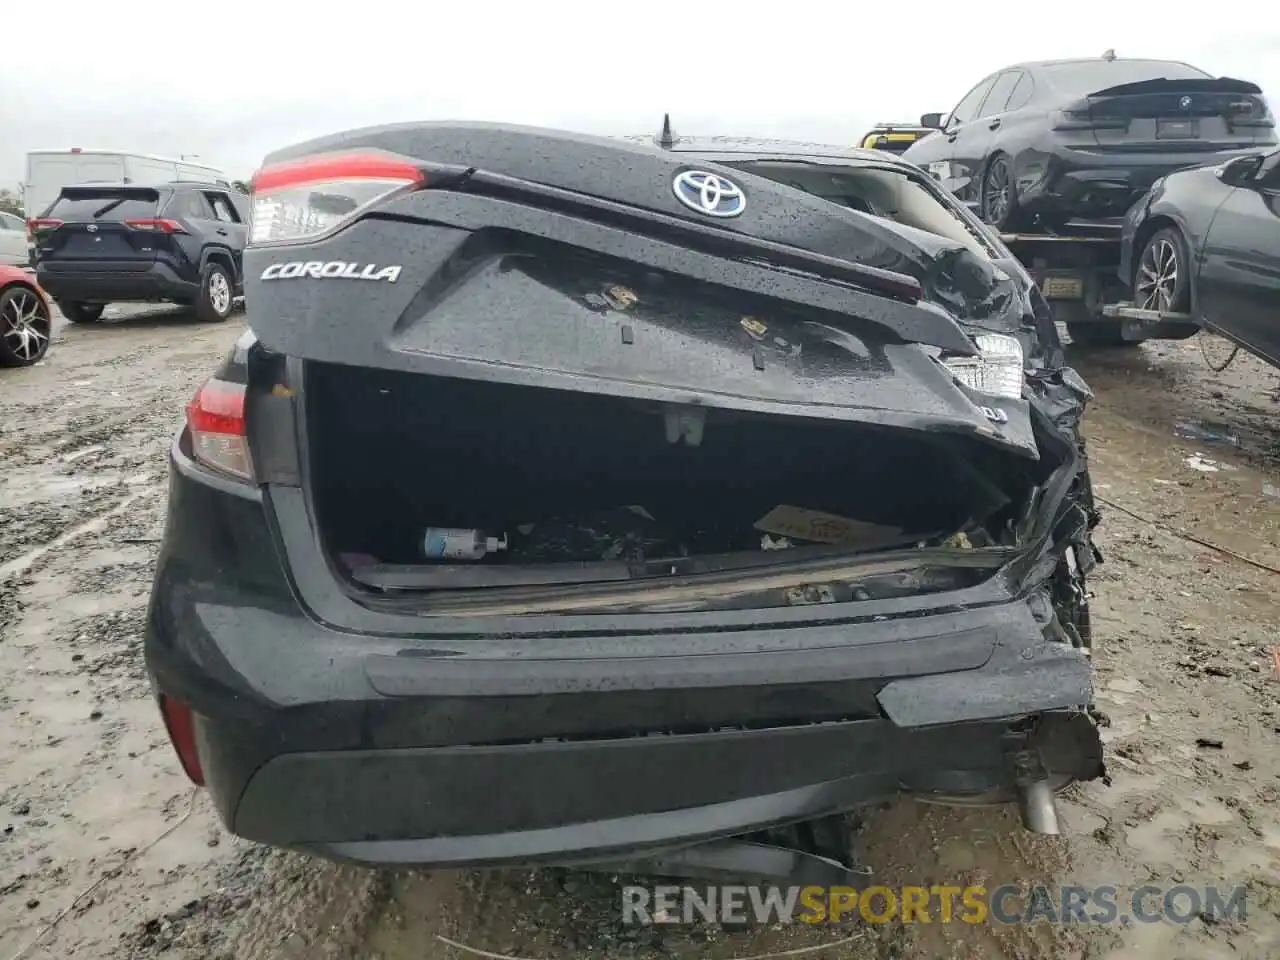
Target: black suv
177	243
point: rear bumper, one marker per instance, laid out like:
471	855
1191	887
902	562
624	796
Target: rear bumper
613	799
1088	185
109	282
446	749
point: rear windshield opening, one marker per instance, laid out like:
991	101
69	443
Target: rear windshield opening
105	204
560	477
872	190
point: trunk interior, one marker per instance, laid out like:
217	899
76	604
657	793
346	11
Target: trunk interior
570	477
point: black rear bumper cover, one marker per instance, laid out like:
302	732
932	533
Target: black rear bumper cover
114	283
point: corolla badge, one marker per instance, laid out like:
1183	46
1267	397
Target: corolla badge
334	269
1184	103
709	193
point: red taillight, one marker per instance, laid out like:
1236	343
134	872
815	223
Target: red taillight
180	723
215	420
1089	114
158	226
334	167
306	197
36	224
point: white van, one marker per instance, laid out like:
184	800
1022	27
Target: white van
48	171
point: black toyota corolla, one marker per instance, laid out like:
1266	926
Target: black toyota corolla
576	500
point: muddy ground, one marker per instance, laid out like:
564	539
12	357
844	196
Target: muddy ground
88	782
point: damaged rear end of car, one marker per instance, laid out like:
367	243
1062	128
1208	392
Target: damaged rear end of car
551	515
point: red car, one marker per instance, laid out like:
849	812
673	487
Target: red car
26	322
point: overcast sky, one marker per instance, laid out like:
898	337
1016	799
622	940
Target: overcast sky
232	80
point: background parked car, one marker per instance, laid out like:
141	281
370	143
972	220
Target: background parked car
13	240
1068	139
177	243
1206	241
25	319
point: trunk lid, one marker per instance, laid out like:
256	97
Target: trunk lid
1184	114
586	274
638	177
93	224
488	305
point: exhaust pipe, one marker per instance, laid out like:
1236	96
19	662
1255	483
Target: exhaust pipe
1038	808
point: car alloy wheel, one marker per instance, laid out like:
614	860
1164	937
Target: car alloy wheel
996	192
1157	282
25	326
220	293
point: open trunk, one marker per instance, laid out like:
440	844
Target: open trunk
591	488
611	390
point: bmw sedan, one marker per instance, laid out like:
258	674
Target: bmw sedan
1082	139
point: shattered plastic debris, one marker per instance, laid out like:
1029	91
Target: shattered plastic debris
1210	433
627	533
1270	490
768	542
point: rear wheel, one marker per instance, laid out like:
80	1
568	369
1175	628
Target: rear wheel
999	197
25	327
81	312
1162	280
215	301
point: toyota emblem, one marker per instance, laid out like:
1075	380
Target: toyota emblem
92	228
709	193
1185	103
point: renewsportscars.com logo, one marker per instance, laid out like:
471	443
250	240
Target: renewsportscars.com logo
1006	904
333	270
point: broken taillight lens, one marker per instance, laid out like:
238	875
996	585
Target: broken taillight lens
997	369
215	420
307	197
180	724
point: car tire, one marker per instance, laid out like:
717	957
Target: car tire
216	294
81	312
998	195
25	327
1098	333
1161	277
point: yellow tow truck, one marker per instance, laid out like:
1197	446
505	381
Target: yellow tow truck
894	137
